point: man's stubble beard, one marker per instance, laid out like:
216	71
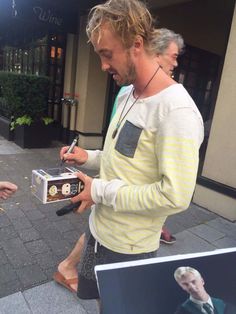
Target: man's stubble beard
130	75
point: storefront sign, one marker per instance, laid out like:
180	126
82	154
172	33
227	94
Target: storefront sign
40	12
47	16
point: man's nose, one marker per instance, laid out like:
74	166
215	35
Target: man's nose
105	66
175	64
191	287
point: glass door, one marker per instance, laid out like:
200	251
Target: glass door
56	73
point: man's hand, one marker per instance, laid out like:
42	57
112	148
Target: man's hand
7	189
85	195
78	156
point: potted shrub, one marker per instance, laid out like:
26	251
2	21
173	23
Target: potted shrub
27	97
29	133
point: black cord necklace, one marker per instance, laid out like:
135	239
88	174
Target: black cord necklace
136	99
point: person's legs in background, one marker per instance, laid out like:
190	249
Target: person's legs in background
166	236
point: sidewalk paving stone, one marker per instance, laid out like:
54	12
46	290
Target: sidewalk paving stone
3	258
7	273
9	288
222	224
34	214
31	275
13	303
17	253
21	223
28	235
204	231
51	298
37	247
47	260
7	233
225	242
4	220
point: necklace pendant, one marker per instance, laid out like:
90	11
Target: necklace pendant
114	133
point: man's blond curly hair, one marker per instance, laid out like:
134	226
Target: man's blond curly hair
127	19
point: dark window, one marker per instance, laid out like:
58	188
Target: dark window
56	44
39	55
198	71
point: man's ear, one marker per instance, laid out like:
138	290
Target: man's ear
138	42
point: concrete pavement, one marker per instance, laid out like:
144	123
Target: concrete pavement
33	239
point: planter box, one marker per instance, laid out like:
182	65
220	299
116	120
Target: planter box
5	128
37	135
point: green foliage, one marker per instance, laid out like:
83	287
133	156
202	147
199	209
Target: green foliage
26	96
47	120
24	120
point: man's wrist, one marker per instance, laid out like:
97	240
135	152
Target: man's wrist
105	191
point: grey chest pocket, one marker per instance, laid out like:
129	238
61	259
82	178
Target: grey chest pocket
128	139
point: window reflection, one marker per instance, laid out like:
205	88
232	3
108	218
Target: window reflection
30	60
25	62
59	55
53	52
207	96
39	54
59	76
209	84
181	77
57	93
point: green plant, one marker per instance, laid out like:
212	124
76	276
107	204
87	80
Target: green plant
27	120
47	120
24	120
26	97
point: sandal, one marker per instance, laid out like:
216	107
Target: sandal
61	280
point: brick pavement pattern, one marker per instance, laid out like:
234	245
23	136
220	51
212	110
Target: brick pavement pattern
33	239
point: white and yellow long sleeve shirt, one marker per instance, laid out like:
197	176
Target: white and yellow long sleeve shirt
147	172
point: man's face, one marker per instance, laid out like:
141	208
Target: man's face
192	284
168	60
115	58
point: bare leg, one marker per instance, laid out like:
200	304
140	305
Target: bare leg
68	267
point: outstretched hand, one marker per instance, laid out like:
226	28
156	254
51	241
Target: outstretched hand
7	189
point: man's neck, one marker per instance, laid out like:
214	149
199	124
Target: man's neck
146	66
159	82
202	299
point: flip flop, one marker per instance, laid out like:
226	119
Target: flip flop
61	280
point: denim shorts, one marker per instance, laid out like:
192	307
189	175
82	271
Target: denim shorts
87	286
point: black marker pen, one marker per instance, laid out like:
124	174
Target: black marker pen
70	149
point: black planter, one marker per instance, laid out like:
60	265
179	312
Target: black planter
5	125
37	135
